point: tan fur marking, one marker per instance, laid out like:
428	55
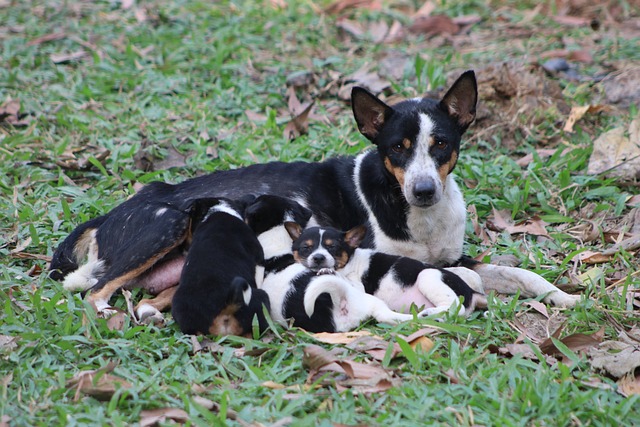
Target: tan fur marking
342	260
105	293
406	143
85	243
226	323
446	168
328	242
298	259
162	301
395	171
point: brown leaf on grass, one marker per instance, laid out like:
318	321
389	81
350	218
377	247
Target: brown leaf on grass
582	55
355	28
5	420
539	307
63	58
10	114
579	112
433	25
152	417
7	344
615	154
47	38
341	5
426	9
70	161
479	231
593	257
299	125
501	221
317	359
98	383
464	20
629	385
116	322
342	337
572	21
255	117
623	87
575	342
126	4
543	153
615	358
363	77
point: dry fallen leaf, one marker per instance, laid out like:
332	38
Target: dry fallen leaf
629	385
501	220
342	337
434	25
98	383
153	417
579	112
61	58
615	358
341	5
616	154
299	124
575	342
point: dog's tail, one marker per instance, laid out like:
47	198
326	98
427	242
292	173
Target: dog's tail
74	249
337	289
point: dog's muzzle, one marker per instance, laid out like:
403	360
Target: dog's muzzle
425	193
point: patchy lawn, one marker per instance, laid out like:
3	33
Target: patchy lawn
98	96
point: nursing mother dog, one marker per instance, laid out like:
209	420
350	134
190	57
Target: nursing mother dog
402	189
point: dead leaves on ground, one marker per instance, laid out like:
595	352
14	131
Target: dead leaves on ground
617	359
98	383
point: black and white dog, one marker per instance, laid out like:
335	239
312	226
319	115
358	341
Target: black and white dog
402	189
316	303
218	292
398	281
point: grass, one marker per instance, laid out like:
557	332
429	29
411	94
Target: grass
180	76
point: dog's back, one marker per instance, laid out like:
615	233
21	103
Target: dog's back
217	293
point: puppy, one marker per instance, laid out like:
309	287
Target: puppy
398	281
326	303
218	292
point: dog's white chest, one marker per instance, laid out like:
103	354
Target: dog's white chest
437	232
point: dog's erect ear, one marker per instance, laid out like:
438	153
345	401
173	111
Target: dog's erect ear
460	101
293	229
370	113
354	237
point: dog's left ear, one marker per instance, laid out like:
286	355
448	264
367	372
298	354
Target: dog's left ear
294	229
355	236
460	101
370	113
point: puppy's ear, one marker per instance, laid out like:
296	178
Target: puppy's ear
370	113
199	209
460	101
354	237
293	229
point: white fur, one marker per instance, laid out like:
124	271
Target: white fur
246	295
421	165
222	207
351	306
85	277
160	212
436	231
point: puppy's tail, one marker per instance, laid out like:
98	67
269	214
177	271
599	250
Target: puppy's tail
74	249
337	290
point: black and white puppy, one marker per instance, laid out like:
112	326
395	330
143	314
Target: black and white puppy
218	292
398	281
316	303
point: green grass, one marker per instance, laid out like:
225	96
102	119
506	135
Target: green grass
183	78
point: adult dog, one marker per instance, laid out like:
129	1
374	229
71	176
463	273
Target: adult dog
402	189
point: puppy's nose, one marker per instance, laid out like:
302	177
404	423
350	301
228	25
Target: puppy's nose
318	258
424	190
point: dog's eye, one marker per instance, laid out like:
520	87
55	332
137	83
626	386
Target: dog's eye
441	144
398	148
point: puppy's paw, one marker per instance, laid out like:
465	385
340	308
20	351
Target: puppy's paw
562	299
148	315
325	271
431	311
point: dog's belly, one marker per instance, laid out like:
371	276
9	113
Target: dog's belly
400	298
162	276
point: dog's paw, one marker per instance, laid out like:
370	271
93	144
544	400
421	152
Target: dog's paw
325	271
148	315
562	299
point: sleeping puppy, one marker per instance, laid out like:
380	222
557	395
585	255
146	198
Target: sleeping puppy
326	303
398	281
218	292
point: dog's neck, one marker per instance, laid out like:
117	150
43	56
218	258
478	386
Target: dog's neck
358	264
275	242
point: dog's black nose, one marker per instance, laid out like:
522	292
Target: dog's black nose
424	190
318	258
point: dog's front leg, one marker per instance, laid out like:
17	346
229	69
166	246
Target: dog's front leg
510	280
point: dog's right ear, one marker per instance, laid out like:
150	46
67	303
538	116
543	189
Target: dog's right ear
293	229
370	113
355	236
